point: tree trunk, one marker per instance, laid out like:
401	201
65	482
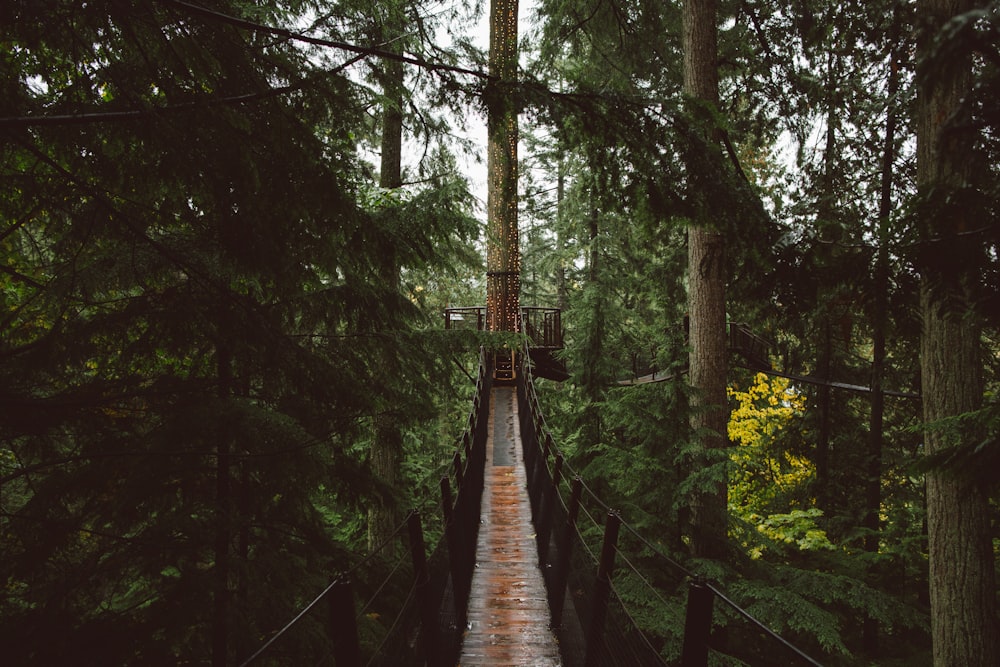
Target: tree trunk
706	303
824	401
708	370
592	378
873	481
223	512
829	277
503	257
385	457
960	550
562	291
387	439
962	578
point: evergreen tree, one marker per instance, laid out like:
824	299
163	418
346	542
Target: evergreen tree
386	449
706	293
960	553
190	295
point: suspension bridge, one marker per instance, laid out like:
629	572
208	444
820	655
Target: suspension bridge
532	567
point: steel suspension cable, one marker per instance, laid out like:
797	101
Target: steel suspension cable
305	610
375	552
671	561
656	550
319	597
763	628
395	622
381	587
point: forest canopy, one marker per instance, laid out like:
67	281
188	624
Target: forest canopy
228	231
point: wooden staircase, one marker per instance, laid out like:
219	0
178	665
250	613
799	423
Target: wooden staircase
504	366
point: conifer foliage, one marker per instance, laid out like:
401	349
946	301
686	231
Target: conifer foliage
802	161
187	282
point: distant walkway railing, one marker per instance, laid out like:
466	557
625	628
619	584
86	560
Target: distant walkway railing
542	326
594	623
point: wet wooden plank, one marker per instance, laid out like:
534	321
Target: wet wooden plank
508	615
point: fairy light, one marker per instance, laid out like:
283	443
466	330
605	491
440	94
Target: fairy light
503	254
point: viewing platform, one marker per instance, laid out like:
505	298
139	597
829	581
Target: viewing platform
542	327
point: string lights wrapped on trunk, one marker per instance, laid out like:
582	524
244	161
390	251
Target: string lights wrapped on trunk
503	255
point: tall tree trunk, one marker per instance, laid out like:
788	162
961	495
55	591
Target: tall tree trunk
384	458
223	510
706	301
873	481
826	290
962	578
503	255
824	400
562	291
592	378
387	439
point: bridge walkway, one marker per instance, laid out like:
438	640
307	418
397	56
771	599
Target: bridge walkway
508	612
481	599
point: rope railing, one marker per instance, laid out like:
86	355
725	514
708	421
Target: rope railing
600	618
416	596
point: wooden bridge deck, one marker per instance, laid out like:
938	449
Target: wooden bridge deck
508	614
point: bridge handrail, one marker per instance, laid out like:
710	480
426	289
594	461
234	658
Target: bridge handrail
541	324
547	477
452	560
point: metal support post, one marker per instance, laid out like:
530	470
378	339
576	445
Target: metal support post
429	639
544	524
561	574
344	625
602	590
697	624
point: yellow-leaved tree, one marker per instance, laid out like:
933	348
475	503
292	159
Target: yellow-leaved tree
769	482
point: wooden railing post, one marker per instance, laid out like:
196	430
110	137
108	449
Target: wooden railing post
697	624
344	625
535	475
457	533
561	574
543	525
451	534
429	639
602	590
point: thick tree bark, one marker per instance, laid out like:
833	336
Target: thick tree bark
701	78
503	256
960	550
387	439
962	578
708	370
706	301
